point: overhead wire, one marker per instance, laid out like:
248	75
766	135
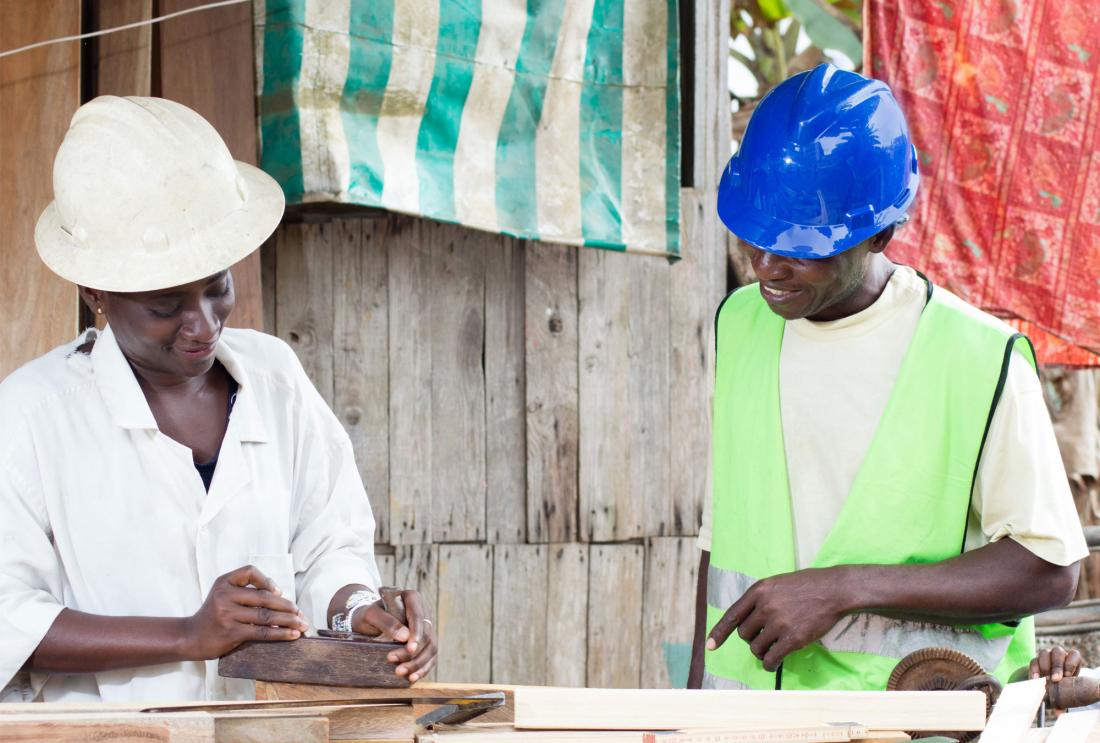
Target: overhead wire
136	24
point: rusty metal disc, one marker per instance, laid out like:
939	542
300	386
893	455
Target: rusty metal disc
943	669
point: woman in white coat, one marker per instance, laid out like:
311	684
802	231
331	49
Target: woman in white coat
171	487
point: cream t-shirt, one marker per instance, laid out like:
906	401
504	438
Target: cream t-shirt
835	379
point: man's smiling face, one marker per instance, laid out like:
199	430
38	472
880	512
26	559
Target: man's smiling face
819	289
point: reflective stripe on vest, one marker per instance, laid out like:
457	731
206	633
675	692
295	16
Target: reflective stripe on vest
710	681
908	504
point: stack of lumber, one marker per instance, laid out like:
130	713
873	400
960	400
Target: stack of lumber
557	715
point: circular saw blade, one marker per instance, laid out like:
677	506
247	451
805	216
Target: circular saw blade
933	669
943	669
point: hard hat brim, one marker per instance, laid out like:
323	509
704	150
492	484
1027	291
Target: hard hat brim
791	240
209	250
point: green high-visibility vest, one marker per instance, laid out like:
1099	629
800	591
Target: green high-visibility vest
908	505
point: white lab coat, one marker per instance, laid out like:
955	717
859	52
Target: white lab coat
101	512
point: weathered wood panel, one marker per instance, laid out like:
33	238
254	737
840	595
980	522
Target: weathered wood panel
361	396
624	396
387	569
567	615
505	391
39	91
552	412
615	615
195	51
124	63
303	290
465	612
416	566
711	96
671	565
691	356
457	302
520	648
410	279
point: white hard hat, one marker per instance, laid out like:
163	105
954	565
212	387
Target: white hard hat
147	196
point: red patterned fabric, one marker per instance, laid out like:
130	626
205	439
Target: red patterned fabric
1002	103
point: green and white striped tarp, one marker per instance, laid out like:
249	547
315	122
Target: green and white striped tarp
555	120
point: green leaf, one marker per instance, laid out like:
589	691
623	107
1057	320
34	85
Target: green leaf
825	31
773	10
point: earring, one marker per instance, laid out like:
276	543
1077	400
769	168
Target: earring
99	310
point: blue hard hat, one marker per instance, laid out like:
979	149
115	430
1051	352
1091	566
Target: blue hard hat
825	163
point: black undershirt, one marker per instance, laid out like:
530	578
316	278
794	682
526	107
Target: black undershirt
206	470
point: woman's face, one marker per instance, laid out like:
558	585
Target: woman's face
171	332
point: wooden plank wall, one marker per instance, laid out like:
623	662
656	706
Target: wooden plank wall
203	60
531	421
39	90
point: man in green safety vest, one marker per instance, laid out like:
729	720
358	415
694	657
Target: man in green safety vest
886	477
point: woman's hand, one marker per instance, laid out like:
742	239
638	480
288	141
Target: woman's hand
418	656
242	605
1056	663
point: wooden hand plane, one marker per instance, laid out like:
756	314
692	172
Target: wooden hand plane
331	658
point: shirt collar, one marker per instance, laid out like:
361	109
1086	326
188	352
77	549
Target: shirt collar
118	385
127	404
247	422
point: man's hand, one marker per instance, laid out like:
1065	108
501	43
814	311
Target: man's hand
785	613
418	656
242	605
1056	663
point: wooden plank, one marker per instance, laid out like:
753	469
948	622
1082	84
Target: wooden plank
1013	713
303	291
314	660
361	396
505	391
1074	727
409	277
39	91
671	567
520	648
691	352
271	729
552	412
711	93
81	722
216	45
465	612
567	614
458	381
53	731
506	735
624	396
254	723
124	58
777	734
675	709
615	615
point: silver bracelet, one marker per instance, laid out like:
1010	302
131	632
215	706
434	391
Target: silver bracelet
342	622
